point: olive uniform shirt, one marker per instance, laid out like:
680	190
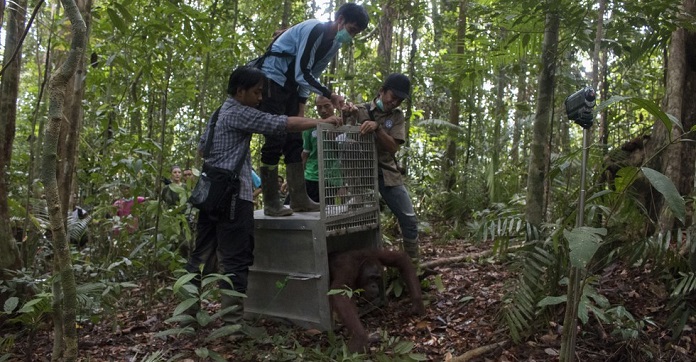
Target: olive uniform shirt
394	124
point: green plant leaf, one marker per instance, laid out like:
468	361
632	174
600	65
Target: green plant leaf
117	20
403	347
187	331
625	177
11	304
202	352
583	243
203	318
223	332
665	186
552	301
183	280
183	306
650	106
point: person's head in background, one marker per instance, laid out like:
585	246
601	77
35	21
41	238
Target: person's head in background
126	191
176	174
324	107
188	174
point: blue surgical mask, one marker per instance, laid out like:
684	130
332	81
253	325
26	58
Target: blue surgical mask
379	104
343	36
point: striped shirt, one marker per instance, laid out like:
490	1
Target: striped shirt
311	52
235	126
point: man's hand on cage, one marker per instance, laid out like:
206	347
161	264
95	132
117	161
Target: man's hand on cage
335	120
368	127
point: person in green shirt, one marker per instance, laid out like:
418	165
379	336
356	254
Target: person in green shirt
310	159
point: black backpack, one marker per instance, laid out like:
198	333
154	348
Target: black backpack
258	61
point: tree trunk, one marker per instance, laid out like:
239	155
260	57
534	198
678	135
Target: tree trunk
386	29
66	337
70	131
520	116
500	117
539	149
450	158
9	88
203	86
597	70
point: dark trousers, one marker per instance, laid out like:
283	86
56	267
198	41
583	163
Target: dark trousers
283	101
312	189
231	242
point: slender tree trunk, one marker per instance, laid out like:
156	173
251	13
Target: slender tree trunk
203	86
499	119
57	87
287	13
2	13
386	30
450	159
412	72
35	140
520	113
597	66
539	148
74	114
9	88
679	97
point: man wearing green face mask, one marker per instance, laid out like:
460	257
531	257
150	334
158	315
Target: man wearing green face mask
384	119
293	64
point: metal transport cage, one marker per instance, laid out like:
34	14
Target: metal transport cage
290	276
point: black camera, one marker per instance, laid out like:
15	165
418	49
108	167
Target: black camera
579	107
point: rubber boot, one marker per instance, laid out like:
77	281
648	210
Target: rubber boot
234	315
269	187
411	248
299	201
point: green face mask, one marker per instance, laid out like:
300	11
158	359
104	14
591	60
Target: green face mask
379	104
343	36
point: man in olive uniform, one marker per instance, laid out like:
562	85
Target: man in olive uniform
384	119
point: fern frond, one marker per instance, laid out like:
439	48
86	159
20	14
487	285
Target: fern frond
520	311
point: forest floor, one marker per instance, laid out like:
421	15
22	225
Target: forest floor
462	317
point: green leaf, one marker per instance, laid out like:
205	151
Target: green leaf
11	304
124	12
202	352
648	105
203	318
552	301
183	306
223	332
184	279
583	243
583	314
117	20
403	347
187	331
665	186
625	177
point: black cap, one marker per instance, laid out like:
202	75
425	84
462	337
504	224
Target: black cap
399	84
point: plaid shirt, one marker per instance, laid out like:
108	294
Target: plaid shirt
235	126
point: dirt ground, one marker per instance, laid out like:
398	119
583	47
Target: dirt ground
462	316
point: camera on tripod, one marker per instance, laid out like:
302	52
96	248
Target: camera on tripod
579	107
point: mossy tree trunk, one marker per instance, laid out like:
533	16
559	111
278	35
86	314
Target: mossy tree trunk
66	336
